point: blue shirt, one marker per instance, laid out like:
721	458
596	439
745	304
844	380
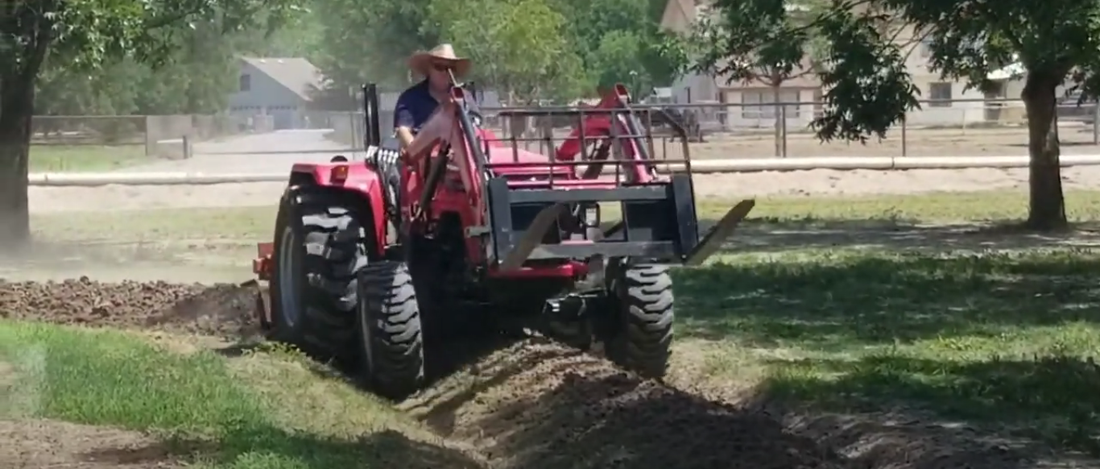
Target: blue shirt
414	107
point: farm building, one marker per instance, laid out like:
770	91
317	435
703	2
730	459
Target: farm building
277	91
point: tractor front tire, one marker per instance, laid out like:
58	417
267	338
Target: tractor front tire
390	331
642	337
320	248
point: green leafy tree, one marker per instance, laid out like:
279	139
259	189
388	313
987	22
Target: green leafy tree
517	45
369	40
620	41
85	35
618	59
867	88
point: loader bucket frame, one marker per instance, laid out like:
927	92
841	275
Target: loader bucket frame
659	220
520	222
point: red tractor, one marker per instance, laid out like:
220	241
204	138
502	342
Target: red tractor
371	257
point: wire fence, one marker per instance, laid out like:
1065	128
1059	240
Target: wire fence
974	127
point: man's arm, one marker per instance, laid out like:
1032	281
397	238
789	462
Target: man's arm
403	122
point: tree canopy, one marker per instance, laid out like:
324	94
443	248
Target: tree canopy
184	67
44	42
861	49
531	49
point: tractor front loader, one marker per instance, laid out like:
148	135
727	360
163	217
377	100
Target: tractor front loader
470	232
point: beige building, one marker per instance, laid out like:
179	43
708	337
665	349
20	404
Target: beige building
679	15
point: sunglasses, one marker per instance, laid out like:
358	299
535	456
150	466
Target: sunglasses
441	66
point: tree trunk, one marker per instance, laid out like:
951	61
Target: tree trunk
778	117
17	81
1047	210
16	109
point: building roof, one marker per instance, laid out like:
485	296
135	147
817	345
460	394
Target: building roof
295	73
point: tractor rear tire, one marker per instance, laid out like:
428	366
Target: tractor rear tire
320	248
390	331
642	336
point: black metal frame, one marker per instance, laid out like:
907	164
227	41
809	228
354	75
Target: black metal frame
659	221
372	136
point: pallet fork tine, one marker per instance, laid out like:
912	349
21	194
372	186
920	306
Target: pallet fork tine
532	238
719	233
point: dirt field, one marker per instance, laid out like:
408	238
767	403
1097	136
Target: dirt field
31	444
218	310
795	183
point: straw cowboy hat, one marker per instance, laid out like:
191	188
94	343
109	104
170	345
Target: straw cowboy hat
421	62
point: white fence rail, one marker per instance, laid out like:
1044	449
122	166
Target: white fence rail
882	163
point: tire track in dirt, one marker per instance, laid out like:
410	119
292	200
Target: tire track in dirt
537	404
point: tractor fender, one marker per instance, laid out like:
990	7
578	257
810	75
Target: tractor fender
362	181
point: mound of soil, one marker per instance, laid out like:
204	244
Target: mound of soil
541	405
224	310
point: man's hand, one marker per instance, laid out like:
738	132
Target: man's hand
404	137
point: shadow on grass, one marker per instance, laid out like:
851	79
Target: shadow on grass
1048	399
852	300
259	446
765	235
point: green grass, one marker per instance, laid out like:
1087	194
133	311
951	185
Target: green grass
267	410
230	223
938	207
84	158
1001	341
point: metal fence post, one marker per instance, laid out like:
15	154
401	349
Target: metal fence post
783	129
777	129
904	128
1095	123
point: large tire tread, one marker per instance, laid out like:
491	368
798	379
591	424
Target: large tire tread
335	242
643	340
395	339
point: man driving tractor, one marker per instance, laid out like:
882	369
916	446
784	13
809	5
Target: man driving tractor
416	104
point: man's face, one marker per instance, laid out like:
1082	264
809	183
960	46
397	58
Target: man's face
438	74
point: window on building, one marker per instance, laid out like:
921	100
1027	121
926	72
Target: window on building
245	82
757	104
939	95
